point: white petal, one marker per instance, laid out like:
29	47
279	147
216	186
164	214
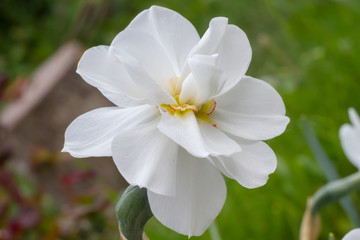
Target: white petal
251	110
251	166
200	196
206	59
102	71
219	165
197	136
352	235
354	117
190	87
147	51
184	131
91	134
216	142
210	42
350	142
233	47
147	158
234	56
123	100
189	90
175	33
207	79
156	92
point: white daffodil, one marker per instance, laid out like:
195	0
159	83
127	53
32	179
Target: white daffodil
350	138
184	110
352	235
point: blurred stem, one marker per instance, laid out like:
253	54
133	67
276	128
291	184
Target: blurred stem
331	236
329	170
133	211
214	232
334	191
321	156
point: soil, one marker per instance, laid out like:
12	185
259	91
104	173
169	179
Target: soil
44	128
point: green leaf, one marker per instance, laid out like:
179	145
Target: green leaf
133	211
329	170
335	190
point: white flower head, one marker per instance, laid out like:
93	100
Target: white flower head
350	138
185	111
352	235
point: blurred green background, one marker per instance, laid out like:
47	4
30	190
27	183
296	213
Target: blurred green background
308	50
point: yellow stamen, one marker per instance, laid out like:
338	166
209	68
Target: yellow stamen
208	108
205	110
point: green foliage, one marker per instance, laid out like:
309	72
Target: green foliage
133	211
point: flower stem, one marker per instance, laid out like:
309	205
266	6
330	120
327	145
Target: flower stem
329	170
133	211
334	191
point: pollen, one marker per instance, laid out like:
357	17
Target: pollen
209	107
178	109
183	108
206	110
203	112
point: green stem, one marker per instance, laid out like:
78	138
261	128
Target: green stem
334	191
133	211
329	170
214	232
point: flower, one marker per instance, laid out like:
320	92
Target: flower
185	111
352	235
350	138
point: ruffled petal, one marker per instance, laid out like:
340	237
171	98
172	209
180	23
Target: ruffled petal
200	196
195	135
350	142
352	235
189	90
147	52
176	34
204	83
147	158
354	118
250	167
251	110
219	165
233	49
215	141
91	134
157	94
123	100
104	72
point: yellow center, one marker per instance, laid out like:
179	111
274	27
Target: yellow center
203	112
180	109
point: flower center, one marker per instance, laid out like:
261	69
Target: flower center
180	109
203	112
183	108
